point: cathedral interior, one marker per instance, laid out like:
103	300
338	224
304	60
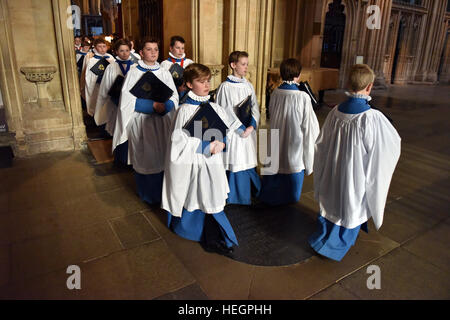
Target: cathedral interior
61	206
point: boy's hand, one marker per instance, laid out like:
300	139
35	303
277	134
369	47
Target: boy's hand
247	132
159	107
216	147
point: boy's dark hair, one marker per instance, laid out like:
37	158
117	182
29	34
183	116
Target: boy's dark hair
236	55
196	71
85	44
175	39
77	37
122	42
99	41
146	40
290	69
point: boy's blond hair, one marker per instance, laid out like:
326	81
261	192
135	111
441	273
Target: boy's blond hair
361	75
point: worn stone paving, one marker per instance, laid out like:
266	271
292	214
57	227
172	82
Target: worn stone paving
62	209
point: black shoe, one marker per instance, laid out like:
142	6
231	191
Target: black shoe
218	247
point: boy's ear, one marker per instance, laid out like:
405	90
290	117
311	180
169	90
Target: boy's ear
189	85
369	87
233	65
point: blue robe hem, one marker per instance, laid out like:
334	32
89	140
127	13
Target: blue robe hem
333	241
149	187
240	184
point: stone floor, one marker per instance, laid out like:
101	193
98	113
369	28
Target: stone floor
61	209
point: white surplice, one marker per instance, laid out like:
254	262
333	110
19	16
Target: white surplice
106	109
88	84
193	180
242	152
292	114
355	157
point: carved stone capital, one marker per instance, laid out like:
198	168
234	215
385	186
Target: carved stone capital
215	69
39	74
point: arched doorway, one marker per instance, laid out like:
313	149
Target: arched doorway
400	36
333	36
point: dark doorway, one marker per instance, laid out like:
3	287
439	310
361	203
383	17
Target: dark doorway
333	36
444	51
400	34
151	20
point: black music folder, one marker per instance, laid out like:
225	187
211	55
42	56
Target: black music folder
210	120
177	74
244	111
305	87
150	87
100	67
116	88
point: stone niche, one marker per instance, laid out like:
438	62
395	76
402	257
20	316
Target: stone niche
39	77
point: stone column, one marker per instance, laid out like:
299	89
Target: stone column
130	18
434	41
207	36
69	73
248	26
9	81
377	43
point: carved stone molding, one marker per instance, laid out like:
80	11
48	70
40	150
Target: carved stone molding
216	74
40	76
215	69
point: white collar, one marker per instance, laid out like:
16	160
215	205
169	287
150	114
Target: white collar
195	97
237	79
170	54
291	82
118	59
145	66
358	95
101	55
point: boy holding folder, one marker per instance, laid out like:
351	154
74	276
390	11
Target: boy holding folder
195	185
147	107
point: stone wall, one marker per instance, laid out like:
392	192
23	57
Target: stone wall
177	21
38	76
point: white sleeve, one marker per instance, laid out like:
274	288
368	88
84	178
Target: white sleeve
101	111
105	85
126	110
166	65
171	84
311	130
255	107
382	144
223	101
178	169
320	152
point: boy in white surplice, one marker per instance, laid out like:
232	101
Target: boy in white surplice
195	185
241	159
292	114
355	157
